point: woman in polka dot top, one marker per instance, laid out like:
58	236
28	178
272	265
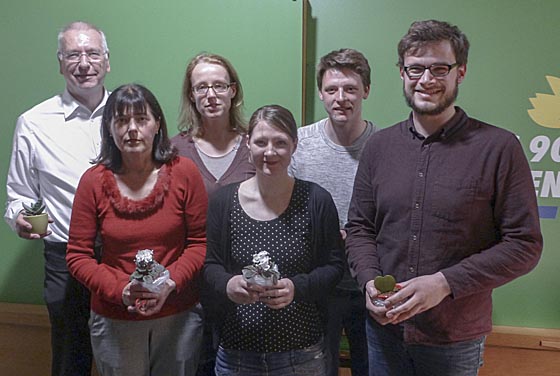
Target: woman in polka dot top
275	330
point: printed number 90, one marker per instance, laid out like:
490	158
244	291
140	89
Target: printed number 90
540	146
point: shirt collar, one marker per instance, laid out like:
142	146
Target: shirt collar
448	129
70	106
415	133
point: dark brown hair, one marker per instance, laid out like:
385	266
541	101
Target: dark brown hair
276	116
422	33
135	99
344	58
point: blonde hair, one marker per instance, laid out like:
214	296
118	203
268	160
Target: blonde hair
189	117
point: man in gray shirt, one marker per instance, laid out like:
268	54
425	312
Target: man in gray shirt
328	152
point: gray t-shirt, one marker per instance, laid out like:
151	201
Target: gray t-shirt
332	166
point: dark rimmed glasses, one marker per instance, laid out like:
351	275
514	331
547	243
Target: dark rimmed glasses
219	88
414	72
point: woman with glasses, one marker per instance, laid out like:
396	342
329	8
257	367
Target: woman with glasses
275	330
140	196
213	132
213	135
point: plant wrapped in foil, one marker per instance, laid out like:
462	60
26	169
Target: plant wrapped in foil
149	273
263	272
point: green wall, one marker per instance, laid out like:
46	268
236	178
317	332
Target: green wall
514	47
150	43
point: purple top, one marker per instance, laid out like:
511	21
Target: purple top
462	202
240	168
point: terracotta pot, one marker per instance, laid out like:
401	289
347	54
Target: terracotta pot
39	223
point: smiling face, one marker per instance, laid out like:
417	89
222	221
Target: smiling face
134	133
429	95
212	105
271	149
342	93
83	76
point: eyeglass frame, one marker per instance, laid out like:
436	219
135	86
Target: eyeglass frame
449	69
208	87
65	55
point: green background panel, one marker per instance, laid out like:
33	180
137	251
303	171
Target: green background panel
514	46
150	43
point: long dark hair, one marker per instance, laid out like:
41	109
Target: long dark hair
132	98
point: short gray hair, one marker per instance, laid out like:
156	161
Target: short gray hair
81	25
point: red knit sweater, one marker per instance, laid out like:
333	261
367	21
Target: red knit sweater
171	220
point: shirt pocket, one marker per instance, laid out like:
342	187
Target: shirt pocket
454	199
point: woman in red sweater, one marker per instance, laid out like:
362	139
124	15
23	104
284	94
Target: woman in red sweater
138	196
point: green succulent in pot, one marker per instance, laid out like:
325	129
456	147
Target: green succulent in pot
387	286
36	208
35	215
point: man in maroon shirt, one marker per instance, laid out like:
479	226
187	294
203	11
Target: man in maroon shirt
446	204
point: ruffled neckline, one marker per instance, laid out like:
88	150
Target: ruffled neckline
127	207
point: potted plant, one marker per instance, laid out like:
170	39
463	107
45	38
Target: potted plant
263	272
150	274
35	215
387	286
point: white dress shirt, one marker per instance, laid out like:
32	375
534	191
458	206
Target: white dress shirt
54	143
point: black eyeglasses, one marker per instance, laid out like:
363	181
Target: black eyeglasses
219	88
414	72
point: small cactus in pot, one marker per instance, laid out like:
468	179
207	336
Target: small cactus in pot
387	286
34	214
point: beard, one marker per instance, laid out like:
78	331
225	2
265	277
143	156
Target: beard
445	102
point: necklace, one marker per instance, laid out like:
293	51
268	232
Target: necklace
234	148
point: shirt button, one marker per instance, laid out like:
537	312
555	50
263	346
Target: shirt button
416	205
421	174
414	237
411	269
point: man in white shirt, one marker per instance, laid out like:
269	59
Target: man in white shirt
54	143
327	153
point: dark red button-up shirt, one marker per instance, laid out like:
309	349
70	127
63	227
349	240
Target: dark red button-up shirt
462	202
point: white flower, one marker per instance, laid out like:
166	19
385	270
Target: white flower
262	260
144	258
263	271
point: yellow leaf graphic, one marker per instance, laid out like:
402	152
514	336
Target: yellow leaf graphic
546	107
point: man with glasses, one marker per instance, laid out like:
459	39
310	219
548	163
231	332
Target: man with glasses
445	204
54	143
327	154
